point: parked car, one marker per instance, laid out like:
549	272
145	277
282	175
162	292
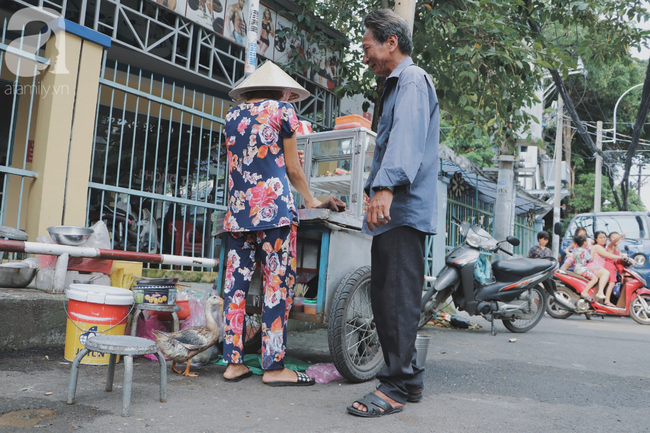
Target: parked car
635	225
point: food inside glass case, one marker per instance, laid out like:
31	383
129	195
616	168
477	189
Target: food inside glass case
337	164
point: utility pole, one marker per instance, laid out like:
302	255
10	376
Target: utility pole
504	202
599	167
406	10
557	189
638	185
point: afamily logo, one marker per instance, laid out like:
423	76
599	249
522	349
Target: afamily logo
21	56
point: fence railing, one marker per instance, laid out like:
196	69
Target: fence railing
158	165
19	91
470	207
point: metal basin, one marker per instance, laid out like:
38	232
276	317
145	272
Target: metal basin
16	277
70	235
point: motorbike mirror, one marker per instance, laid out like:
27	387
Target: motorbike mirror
557	229
513	241
627	248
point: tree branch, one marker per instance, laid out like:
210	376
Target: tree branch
582	131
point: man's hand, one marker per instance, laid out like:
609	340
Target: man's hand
378	210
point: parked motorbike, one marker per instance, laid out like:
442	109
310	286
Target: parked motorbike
516	295
128	231
634	298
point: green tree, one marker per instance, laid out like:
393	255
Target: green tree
487	57
583	201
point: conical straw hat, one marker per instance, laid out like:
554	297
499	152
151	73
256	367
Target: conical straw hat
269	76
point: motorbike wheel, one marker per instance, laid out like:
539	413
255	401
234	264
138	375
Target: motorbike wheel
556	310
433	306
536	299
640	309
351	333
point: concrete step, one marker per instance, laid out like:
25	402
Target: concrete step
31	319
34	319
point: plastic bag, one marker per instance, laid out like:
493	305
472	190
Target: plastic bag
482	270
47	263
324	373
197	300
145	330
459	321
99	239
616	291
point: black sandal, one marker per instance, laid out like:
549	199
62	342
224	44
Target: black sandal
241	377
374	404
303	380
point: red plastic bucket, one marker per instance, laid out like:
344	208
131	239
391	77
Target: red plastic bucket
94	310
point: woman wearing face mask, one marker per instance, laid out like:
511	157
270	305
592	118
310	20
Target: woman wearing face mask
262	218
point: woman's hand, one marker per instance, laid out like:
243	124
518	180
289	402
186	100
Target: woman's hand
312	202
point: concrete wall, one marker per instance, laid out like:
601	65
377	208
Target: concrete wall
64	136
31	319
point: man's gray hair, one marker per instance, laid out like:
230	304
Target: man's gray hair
384	22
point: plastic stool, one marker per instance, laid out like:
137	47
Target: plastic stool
173	309
120	345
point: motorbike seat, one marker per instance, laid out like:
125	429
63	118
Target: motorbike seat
505	270
578	276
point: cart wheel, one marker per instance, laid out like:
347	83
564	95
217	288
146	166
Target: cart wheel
352	335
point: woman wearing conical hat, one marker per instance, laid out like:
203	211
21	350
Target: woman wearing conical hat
262	218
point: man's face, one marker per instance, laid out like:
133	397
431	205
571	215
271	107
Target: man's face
376	55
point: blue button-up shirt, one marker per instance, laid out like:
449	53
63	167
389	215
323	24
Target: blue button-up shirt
406	152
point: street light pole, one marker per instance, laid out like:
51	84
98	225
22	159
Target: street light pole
616	108
599	166
557	188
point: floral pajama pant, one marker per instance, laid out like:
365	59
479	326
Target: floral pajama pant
275	249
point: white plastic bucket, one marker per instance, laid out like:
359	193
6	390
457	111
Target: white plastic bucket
93	310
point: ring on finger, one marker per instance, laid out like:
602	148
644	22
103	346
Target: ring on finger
381	217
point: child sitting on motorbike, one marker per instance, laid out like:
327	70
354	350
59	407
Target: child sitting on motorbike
540	251
568	260
581	257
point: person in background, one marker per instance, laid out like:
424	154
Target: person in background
610	265
581	257
597	263
540	251
403	208
568	258
262	218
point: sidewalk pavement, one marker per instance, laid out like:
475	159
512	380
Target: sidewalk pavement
35	383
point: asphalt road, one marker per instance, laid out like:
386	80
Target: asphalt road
563	376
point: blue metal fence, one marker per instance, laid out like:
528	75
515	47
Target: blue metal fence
158	166
470	207
19	88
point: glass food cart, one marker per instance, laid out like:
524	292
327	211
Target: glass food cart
333	256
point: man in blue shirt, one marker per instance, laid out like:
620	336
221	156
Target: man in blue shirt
402	209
